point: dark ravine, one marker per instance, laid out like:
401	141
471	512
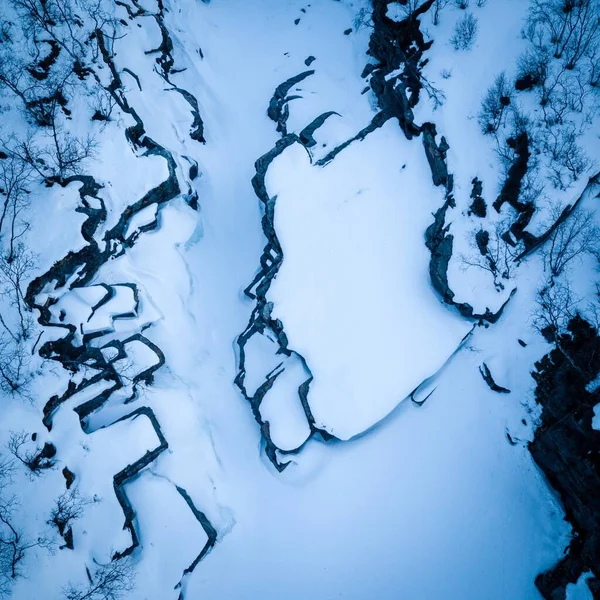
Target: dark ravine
567	450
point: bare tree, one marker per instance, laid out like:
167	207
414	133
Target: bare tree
570	241
15	545
532	68
15	269
14	365
112	581
492	253
15	179
69	507
570	27
494	105
556	305
438	6
36	460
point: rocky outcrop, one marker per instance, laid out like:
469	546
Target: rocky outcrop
261	321
278	110
487	377
77	269
131	471
436	154
592	190
566	448
378	121
478	206
211	534
440	243
306	135
397	80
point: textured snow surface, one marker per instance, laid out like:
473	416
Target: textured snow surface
425	502
353	291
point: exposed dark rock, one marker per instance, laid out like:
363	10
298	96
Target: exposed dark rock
487	377
478	206
261	320
131	471
482	239
566	448
394	45
98	116
210	531
512	186
436	155
533	243
309	61
348	31
526	82
79	268
522	343
440	243
68	537
69	477
378	121
306	135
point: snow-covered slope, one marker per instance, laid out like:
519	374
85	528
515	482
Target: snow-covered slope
272	360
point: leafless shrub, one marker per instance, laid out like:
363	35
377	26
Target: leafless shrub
491	253
532	68
69	507
15	268
556	305
15	180
112	581
567	159
363	19
465	32
37	459
15	545
575	237
55	153
495	104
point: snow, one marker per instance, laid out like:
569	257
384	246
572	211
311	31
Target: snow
420	502
282	409
143	217
356	303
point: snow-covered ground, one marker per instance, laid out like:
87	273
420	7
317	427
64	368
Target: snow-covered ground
408	500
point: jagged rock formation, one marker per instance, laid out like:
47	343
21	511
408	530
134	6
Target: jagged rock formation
397	80
75	351
261	321
487	377
566	448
